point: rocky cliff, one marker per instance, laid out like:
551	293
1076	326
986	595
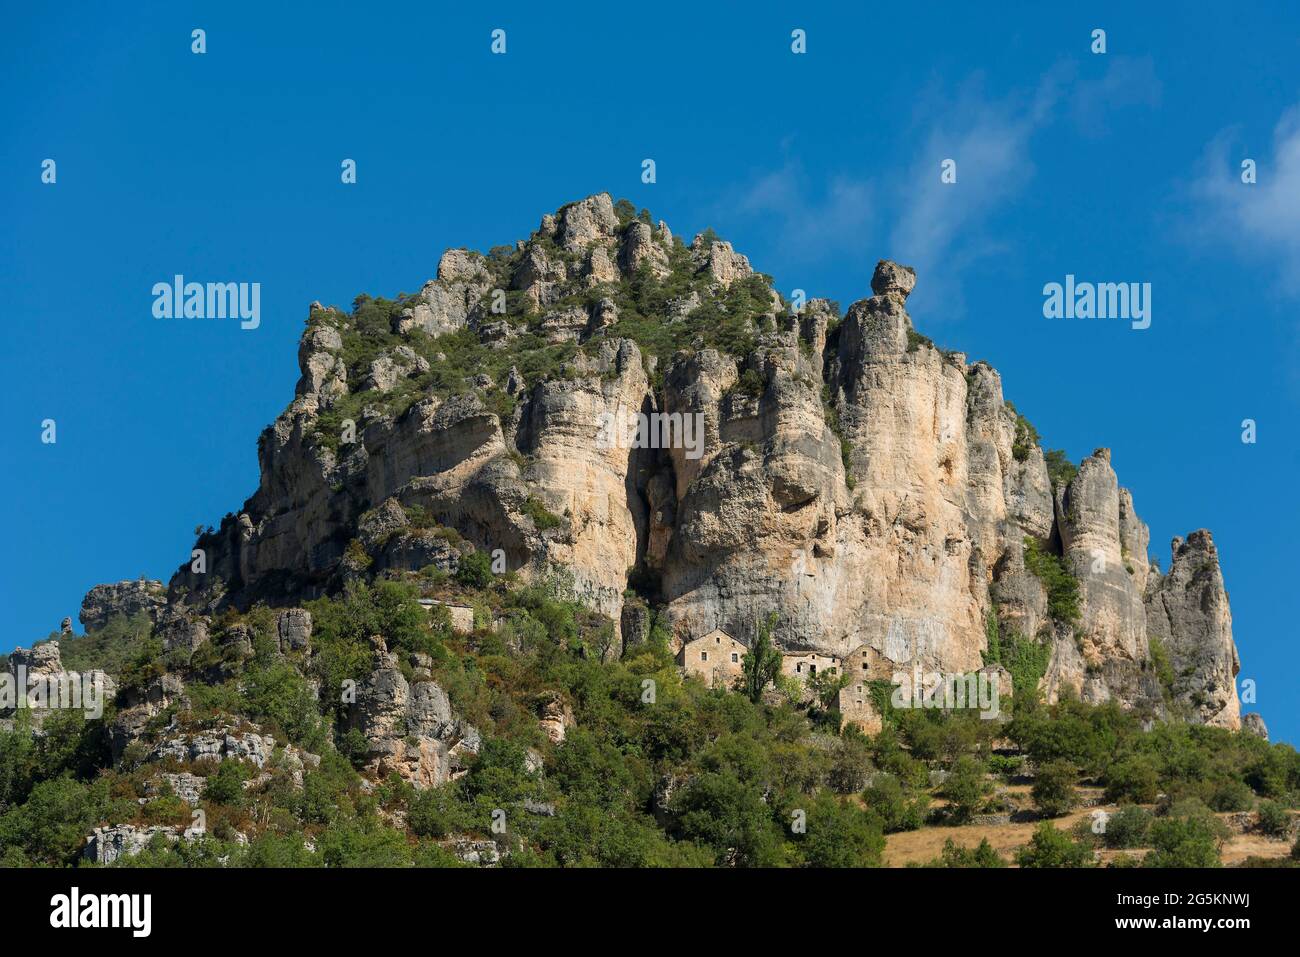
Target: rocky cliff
867	487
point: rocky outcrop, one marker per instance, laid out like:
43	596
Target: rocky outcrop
1187	610
125	598
109	844
870	489
409	726
37	682
293	629
1107	654
1253	723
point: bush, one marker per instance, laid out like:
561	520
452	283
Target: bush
1133	779
1060	469
1052	848
225	785
892	804
475	570
1053	790
1127	827
1062	587
964	789
1274	819
542	517
1231	795
1189	836
982	856
840	835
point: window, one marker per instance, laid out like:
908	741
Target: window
704	656
864	666
799	667
812	669
735	657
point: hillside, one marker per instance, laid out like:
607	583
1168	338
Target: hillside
461	621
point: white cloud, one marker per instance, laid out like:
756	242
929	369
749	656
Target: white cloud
1260	220
910	215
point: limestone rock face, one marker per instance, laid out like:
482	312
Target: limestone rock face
588	221
410	728
871	490
1253	723
720	261
1187	610
294	630
639	246
125	598
587	482
109	844
128	726
40	684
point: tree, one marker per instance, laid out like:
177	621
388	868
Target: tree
1053	790
1274	819
1052	848
1133	779
891	802
761	663
1127	827
964	788
954	856
839	835
475	570
1183	842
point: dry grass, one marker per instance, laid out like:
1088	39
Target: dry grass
926	844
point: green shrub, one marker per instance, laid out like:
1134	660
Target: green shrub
1274	819
981	856
1062	587
1060	469
1127	827
1052	848
1191	841
840	835
897	809
964	789
1053	790
1132	779
225	785
535	509
1026	437
475	570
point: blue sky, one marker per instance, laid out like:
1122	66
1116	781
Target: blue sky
1114	167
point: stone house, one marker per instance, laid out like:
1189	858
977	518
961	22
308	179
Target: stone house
862	665
462	616
804	664
715	657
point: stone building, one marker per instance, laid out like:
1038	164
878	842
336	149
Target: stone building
805	664
715	657
462	616
863	665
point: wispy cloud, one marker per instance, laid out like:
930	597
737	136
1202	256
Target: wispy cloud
909	214
1260	220
810	221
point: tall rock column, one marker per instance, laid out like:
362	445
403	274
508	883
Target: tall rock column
1187	610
